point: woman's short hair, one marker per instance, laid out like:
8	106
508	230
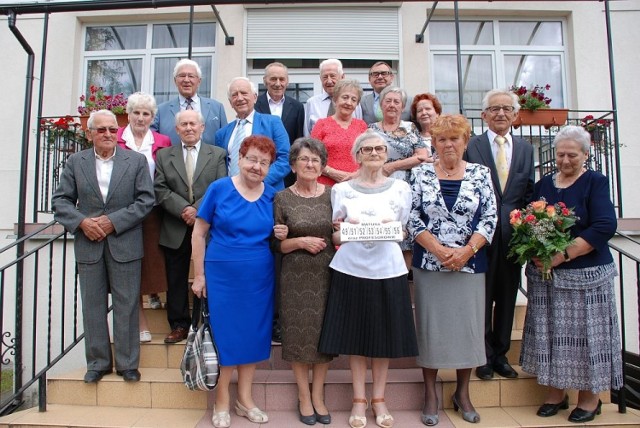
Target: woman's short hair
492	93
422	97
451	124
314	146
574	133
344	84
142	100
259	142
367	135
103	112
395	90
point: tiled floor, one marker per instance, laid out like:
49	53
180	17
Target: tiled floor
89	416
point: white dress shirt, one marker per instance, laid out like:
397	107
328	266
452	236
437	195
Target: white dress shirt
104	168
275	106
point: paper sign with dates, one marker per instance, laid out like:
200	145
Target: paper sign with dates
371	231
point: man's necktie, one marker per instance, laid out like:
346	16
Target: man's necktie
189	104
332	108
190	167
376	108
501	161
234	148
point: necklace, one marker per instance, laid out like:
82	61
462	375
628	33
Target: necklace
296	191
389	131
444	171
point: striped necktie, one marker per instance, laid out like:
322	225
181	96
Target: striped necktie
501	161
189	104
234	148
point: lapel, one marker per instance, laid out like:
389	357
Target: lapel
88	166
484	149
286	108
174	108
516	155
120	167
205	108
203	159
177	160
257	127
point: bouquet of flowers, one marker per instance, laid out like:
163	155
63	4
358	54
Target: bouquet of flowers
541	230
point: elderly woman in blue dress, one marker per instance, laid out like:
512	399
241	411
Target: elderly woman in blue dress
453	216
571	338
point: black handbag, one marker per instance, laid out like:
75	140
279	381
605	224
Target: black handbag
200	365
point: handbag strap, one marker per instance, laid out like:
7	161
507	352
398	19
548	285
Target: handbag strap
200	311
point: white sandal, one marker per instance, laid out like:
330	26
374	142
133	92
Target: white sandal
221	419
255	415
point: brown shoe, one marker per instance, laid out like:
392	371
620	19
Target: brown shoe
177	335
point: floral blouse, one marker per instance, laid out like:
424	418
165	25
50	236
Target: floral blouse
474	211
402	144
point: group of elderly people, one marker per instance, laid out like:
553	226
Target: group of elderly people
352	297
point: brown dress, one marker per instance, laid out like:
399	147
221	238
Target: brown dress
305	277
154	276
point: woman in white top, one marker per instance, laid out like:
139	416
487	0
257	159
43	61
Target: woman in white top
369	312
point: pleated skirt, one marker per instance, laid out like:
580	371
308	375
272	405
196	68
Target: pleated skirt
369	317
450	319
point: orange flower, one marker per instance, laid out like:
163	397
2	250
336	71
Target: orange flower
539	206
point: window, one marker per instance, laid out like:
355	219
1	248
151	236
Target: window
496	54
130	58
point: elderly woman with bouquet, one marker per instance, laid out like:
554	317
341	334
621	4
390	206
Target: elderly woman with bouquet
571	337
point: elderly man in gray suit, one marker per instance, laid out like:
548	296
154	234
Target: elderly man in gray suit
183	174
187	77
380	76
103	196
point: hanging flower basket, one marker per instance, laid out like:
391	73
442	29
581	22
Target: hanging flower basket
546	117
122	118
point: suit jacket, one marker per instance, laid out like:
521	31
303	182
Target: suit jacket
369	113
129	200
212	111
172	188
519	188
272	127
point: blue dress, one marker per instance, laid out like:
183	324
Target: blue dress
239	272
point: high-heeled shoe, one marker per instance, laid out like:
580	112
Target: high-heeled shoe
323	419
307	420
472	416
383	420
221	419
356	421
550	409
430	420
579	415
255	415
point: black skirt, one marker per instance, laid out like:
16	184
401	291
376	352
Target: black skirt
369	317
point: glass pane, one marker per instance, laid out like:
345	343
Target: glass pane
531	33
177	35
477	79
531	70
471	33
300	91
163	86
116	38
115	75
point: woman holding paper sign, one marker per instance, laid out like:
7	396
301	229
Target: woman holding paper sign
369	312
453	216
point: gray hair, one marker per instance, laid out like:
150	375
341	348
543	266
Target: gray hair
367	135
395	90
184	62
276	64
103	112
243	79
143	100
314	146
492	93
331	61
200	116
574	133
343	84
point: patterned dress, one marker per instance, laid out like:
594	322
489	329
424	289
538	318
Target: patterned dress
402	143
305	277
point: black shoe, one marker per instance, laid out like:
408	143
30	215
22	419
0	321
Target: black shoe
485	372
276	332
131	375
579	415
93	376
550	409
505	370
323	419
307	420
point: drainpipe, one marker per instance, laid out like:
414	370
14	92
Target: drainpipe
22	197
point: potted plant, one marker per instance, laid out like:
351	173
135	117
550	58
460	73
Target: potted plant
534	107
596	127
63	135
98	100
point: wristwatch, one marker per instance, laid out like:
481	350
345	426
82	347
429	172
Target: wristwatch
566	256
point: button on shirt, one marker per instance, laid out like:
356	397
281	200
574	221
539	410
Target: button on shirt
104	168
508	146
275	106
195	102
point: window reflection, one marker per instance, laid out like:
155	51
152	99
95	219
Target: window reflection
177	35
531	33
530	70
477	72
115	75
471	33
119	37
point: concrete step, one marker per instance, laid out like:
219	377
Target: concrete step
87	416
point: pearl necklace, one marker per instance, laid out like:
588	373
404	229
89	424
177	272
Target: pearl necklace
296	192
445	171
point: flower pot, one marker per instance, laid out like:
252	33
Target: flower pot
122	118
546	117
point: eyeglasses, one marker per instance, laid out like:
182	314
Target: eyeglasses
367	150
187	76
306	159
255	161
104	129
380	73
496	109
